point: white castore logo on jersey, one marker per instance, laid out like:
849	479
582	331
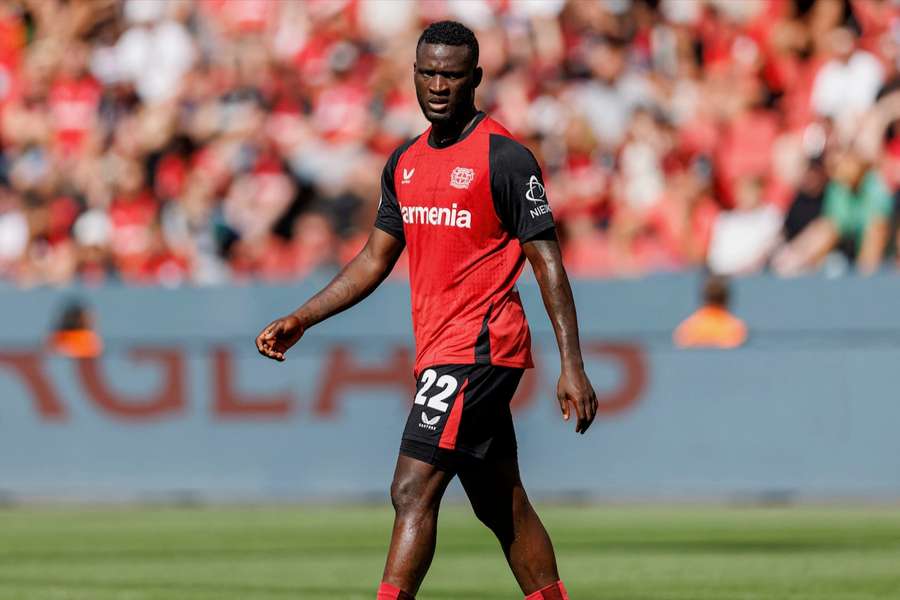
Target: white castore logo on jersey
461	177
407	175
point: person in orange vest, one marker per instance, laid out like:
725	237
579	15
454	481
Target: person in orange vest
74	334
712	325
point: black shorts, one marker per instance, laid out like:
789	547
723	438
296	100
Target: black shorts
461	414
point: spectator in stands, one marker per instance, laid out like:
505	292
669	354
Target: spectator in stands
712	326
855	220
158	141
807	203
743	238
846	85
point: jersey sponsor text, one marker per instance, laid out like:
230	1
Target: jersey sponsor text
425	215
540	210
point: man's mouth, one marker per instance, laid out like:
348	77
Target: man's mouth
438	104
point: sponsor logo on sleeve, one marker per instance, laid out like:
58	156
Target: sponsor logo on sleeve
535	193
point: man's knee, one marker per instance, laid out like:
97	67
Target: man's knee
496	517
410	494
500	510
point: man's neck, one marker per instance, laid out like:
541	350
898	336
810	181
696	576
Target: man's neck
448	132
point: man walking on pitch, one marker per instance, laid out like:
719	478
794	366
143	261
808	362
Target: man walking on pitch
469	204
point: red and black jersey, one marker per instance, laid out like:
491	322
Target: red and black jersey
463	211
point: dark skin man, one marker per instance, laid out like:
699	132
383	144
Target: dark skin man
445	79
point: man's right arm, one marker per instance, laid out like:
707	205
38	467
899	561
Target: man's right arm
355	281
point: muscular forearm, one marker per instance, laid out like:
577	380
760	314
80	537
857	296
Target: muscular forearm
574	389
355	281
557	295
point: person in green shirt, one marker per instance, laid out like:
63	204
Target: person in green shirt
854	210
856	215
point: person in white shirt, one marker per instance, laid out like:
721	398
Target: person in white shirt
743	238
846	86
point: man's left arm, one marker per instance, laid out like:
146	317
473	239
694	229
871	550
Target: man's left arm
517	188
574	388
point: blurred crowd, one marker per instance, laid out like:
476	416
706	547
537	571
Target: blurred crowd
210	141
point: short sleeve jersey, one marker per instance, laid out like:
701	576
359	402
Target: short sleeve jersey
463	211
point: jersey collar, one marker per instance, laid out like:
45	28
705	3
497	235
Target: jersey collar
479	117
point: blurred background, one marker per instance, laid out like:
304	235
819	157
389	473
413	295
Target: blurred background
166	142
174	174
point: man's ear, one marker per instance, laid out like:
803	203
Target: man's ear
477	78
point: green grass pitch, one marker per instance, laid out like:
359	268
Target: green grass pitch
643	553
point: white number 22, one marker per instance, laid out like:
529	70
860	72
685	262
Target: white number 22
447	384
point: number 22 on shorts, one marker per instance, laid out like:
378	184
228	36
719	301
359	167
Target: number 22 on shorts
446	383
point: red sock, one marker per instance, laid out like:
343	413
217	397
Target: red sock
554	591
388	592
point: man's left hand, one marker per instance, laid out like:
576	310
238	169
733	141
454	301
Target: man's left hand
574	391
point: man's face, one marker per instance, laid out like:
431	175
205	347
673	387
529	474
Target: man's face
445	80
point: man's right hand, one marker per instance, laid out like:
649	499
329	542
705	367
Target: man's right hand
279	336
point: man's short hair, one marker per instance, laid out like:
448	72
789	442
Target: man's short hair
450	33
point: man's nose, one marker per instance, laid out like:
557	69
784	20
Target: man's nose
438	85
